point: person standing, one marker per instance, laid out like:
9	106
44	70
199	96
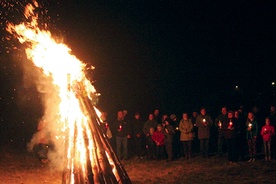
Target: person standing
169	132
186	136
159	138
251	136
122	134
267	134
204	122
137	130
230	137
221	123
240	135
195	142
150	123
150	145
272	117
156	115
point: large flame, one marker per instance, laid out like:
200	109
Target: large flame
67	74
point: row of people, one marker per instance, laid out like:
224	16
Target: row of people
164	136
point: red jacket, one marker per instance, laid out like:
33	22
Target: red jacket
267	132
158	138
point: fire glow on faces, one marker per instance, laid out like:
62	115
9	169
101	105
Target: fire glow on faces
67	74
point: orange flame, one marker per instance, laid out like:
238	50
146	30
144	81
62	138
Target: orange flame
68	76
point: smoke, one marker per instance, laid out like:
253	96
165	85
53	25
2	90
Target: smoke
50	129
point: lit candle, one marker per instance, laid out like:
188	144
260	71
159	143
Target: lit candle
120	128
219	124
204	122
230	123
250	125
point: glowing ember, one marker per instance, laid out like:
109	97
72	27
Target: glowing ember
88	156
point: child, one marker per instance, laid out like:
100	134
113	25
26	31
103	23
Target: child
158	137
150	145
267	133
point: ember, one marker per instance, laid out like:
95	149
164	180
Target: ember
79	136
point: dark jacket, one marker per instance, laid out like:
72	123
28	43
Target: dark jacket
230	132
158	138
204	128
223	118
137	127
149	124
240	129
169	133
253	131
121	128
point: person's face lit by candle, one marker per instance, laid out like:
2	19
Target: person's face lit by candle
120	115
250	116
267	121
151	117
224	110
230	115
185	116
203	112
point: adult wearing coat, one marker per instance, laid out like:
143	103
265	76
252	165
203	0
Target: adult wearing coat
186	135
204	122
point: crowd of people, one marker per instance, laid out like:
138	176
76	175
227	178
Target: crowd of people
234	134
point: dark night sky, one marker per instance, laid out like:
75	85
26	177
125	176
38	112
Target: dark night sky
173	55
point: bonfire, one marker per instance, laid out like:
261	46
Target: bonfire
81	145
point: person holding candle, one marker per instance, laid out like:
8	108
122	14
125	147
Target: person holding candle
230	137
251	136
204	122
267	133
122	133
221	123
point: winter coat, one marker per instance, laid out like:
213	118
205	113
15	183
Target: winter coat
169	132
137	127
158	138
223	119
149	124
253	131
186	128
204	128
121	128
267	132
230	132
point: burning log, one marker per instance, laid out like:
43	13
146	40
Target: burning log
89	156
102	164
